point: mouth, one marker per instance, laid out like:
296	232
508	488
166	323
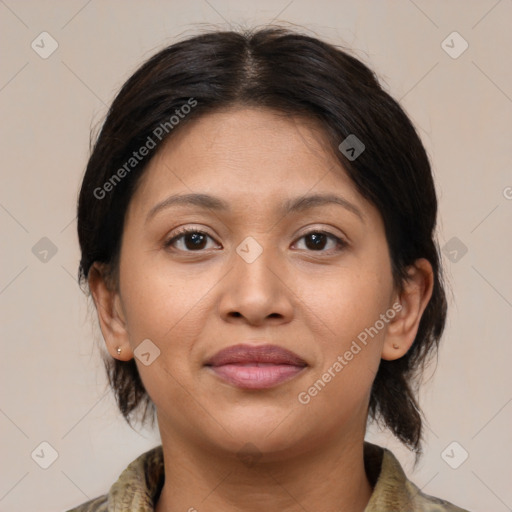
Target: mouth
256	367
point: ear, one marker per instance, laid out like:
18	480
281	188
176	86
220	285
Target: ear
110	313
413	300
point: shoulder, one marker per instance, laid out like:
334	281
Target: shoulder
136	488
393	490
99	504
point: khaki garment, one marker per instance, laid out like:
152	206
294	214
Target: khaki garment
139	486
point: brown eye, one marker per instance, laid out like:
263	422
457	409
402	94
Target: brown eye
194	240
190	240
319	240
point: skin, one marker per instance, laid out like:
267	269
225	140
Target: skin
311	301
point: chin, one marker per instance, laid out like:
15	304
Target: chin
267	428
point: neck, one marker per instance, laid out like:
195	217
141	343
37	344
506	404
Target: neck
330	479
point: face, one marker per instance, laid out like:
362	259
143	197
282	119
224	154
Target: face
260	265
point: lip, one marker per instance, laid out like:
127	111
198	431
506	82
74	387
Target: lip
256	367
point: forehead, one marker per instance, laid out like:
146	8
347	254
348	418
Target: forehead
245	155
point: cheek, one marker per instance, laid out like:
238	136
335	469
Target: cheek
349	347
168	304
164	306
349	300
158	298
350	335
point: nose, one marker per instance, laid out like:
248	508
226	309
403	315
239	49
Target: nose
258	291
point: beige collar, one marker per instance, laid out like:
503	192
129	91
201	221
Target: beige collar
139	486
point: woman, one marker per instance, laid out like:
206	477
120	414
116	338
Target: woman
257	224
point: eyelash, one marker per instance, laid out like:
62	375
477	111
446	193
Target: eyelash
341	244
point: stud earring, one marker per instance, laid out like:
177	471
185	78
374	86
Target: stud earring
395	346
118	350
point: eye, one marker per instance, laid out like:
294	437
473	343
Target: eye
317	240
192	239
195	240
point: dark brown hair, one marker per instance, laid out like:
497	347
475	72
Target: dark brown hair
299	75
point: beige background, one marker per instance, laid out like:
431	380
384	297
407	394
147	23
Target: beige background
52	382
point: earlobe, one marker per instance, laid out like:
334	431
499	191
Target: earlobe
413	300
110	313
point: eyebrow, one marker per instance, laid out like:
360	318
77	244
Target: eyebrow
297	204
